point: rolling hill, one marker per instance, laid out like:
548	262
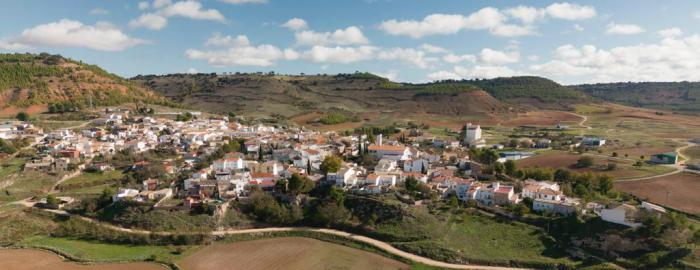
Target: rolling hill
43	79
683	96
268	94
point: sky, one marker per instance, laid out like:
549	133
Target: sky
403	40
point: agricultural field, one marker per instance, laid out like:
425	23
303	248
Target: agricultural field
286	253
91	179
469	237
29	259
678	191
624	167
19	185
693	153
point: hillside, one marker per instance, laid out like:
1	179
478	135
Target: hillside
531	92
267	94
43	79
270	94
664	95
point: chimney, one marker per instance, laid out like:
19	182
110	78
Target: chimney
379	139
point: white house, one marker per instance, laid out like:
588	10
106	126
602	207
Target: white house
346	176
472	136
125	193
395	152
623	214
228	164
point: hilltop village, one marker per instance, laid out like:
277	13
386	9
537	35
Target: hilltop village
207	162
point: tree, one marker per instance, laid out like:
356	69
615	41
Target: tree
22	116
299	184
329	213
411	183
331	164
510	167
605	183
584	162
308	167
562	175
498	167
52	201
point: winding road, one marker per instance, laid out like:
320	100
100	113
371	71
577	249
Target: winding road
370	241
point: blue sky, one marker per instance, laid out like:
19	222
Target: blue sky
406	40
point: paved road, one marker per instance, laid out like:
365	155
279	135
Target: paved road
376	243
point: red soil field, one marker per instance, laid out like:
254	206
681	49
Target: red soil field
31	259
682	190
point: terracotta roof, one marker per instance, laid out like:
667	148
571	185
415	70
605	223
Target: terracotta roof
386	147
504	189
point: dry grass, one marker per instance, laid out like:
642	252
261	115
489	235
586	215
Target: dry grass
288	253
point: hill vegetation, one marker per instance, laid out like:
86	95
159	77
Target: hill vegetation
530	91
44	79
683	96
272	94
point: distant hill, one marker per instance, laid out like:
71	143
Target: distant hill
360	92
529	91
267	94
683	96
42	79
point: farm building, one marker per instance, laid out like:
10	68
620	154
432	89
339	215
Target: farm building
665	158
593	141
514	155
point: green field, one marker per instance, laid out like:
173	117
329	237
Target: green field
24	185
103	252
471	237
88	179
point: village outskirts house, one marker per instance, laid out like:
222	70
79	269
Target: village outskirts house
665	158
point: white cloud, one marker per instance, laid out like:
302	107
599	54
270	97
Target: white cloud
444	24
526	14
69	33
149	20
533	58
342	55
161	3
414	57
166	8
511	30
392	75
192	71
454	58
192	9
488	18
227	41
490	56
144	5
673	59
99	11
433	49
567	11
240	2
295	24
485	72
443	75
578	27
348	36
475	72
623	29
671	32
238	51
